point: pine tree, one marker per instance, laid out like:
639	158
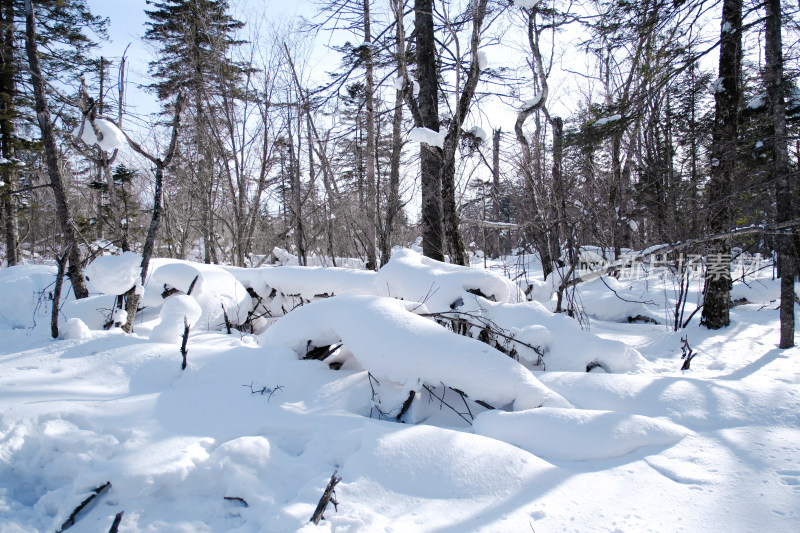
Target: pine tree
196	37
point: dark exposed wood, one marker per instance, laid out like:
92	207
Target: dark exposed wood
184	340
117	521
780	168
716	309
62	263
69	522
327	497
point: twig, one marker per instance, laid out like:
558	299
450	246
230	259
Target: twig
237	499
184	351
442	402
69	522
406	404
687	354
327	496
264	390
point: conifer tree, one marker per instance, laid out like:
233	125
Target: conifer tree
195	37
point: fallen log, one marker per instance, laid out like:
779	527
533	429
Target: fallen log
327	497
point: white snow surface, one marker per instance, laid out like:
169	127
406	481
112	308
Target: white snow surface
547	432
427	136
178	311
393	343
112	136
114	274
483	61
248	419
529	4
607	120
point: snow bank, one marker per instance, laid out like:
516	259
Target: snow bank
114	274
440	286
215	287
566	346
614	301
112	136
94	311
74	328
394	343
551	432
24	290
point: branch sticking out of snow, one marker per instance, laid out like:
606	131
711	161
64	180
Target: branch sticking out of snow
427	136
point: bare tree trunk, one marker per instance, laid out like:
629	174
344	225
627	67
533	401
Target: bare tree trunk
430	156
7	111
780	168
716	306
393	205
75	268
495	191
371	224
133	296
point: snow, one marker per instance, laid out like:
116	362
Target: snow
177	312
529	4
759	100
607	120
547	432
390	341
526	104
114	274
112	137
399	83
415	88
249	419
483	61
480	133
427	136
716	86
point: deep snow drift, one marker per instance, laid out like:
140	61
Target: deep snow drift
504	428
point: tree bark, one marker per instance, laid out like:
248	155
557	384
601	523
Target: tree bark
716	306
430	156
7	113
371	197
133	296
780	168
75	268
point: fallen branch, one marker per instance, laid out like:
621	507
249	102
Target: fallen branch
327	496
117	520
69	522
185	338
687	354
236	499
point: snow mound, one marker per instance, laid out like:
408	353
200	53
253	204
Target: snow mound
175	309
112	136
565	345
307	282
611	300
214	289
550	432
393	343
440	286
74	328
23	288
114	274
94	311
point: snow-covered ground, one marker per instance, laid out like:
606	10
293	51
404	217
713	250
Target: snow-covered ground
646	447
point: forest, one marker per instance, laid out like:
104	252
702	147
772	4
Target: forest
399	265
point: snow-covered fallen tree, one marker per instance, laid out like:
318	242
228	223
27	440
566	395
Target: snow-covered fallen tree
393	343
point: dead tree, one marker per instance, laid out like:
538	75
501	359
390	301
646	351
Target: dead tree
133	296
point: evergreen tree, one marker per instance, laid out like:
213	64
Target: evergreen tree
196	38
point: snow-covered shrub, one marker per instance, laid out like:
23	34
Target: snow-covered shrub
393	343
